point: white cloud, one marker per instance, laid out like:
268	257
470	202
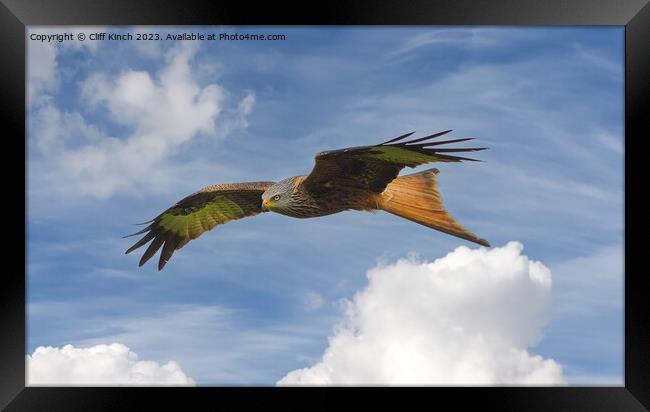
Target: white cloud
147	48
467	318
106	365
41	71
43	74
159	112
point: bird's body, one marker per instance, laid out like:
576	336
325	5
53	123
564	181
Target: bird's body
361	178
296	201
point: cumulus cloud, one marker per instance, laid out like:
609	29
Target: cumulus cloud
108	365
41	70
467	318
158	113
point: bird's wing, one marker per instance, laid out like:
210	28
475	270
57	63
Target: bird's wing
373	167
198	213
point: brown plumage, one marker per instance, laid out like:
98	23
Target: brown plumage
355	178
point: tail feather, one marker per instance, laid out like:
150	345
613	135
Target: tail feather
415	197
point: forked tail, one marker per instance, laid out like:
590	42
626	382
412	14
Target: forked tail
414	197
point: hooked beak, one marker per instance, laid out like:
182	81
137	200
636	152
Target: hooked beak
265	205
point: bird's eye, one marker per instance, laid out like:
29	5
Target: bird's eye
276	197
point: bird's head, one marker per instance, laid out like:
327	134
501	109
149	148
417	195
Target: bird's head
277	198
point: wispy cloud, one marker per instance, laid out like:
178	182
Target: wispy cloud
216	345
613	67
313	300
463	38
586	284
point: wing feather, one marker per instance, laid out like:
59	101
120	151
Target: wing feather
196	214
373	167
153	247
142	241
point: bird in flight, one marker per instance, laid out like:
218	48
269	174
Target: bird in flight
354	178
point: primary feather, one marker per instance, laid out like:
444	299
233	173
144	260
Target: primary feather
373	167
197	213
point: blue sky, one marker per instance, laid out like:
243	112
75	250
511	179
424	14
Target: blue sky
119	131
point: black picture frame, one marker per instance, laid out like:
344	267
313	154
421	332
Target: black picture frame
16	15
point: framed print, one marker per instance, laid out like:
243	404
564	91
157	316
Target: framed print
236	203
